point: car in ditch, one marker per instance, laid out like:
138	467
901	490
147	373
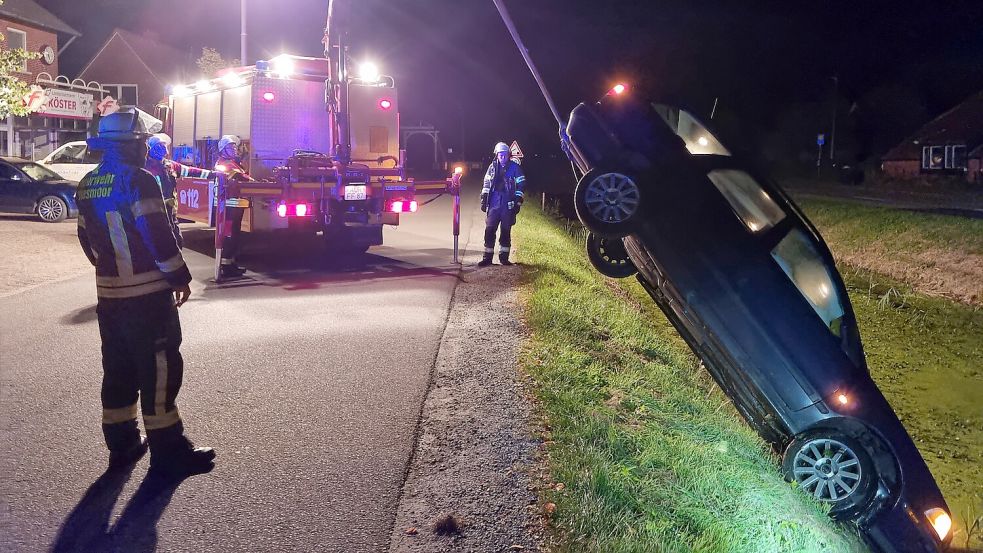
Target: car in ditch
27	187
750	285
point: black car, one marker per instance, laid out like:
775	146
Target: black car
27	187
750	285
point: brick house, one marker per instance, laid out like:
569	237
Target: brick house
950	144
137	69
27	25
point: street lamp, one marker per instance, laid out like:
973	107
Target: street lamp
832	134
242	34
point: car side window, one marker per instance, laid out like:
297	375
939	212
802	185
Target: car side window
71	154
796	255
753	206
92	156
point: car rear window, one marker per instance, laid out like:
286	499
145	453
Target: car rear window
753	206
805	267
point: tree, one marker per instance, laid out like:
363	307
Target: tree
12	88
211	62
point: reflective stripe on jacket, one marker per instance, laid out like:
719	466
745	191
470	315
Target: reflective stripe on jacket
503	185
125	232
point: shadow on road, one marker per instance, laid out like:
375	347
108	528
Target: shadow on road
86	529
80	316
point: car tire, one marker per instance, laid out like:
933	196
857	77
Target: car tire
608	202
832	468
609	256
52	209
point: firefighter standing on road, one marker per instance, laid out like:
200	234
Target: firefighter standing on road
167	171
230	163
141	280
501	197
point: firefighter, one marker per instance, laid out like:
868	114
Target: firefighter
501	198
230	163
167	171
141	280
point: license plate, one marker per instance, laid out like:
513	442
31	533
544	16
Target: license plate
355	192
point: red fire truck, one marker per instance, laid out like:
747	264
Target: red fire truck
322	144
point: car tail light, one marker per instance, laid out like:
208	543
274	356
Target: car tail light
940	521
281	209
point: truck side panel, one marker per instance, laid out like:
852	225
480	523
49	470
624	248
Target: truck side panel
293	118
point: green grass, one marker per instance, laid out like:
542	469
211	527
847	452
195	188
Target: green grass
925	353
853	226
652	457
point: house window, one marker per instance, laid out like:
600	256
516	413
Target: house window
944	157
17	39
125	94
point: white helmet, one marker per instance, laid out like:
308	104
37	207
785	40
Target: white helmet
159	138
228	139
501	147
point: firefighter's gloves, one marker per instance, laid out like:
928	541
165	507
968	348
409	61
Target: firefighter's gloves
516	204
181	295
512	206
484	202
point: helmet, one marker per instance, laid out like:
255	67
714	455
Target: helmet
227	139
128	125
501	147
159	138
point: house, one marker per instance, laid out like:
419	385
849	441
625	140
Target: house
27	25
138	69
950	144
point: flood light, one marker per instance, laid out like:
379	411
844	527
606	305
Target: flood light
180	90
283	65
232	79
619	88
458	170
368	72
203	85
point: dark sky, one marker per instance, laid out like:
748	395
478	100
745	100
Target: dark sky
457	68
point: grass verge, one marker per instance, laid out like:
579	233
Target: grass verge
645	452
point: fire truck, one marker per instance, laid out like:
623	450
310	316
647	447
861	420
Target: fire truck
321	143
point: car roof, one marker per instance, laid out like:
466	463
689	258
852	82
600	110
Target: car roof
15	159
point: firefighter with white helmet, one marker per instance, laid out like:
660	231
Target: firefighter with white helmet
141	280
230	163
501	197
167	171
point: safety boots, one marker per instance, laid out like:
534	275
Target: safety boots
486	260
126	445
503	258
173	456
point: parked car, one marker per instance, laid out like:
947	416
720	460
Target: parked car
27	187
72	160
750	285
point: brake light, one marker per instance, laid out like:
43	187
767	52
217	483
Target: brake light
413	206
396	206
301	210
281	209
385	104
269	96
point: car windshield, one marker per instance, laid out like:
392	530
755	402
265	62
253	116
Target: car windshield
38	172
699	140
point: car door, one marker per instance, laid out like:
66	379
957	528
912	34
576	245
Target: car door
15	190
69	162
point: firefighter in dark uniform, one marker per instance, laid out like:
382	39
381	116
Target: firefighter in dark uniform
141	280
501	198
167	171
230	163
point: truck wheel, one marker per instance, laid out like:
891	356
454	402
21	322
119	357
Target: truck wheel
607	202
832	468
609	256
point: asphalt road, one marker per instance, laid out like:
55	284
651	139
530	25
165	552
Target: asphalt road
308	379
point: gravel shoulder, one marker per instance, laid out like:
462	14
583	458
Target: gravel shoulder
476	454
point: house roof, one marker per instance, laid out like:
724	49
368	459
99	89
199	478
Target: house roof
165	62
30	12
963	124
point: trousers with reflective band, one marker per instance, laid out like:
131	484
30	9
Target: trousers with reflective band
141	359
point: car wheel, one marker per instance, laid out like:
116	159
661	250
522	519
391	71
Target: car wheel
607	202
52	209
834	469
609	256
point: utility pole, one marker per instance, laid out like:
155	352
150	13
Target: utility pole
832	136
242	35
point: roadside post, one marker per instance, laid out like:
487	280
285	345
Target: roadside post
455	189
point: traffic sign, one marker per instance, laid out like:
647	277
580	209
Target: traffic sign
514	150
820	139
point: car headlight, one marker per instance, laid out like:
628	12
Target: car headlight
940	520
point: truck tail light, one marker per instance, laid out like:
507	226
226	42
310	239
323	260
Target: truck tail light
385	104
281	209
269	96
402	206
301	210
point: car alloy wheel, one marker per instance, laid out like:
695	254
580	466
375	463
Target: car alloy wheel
607	202
52	209
833	469
609	256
